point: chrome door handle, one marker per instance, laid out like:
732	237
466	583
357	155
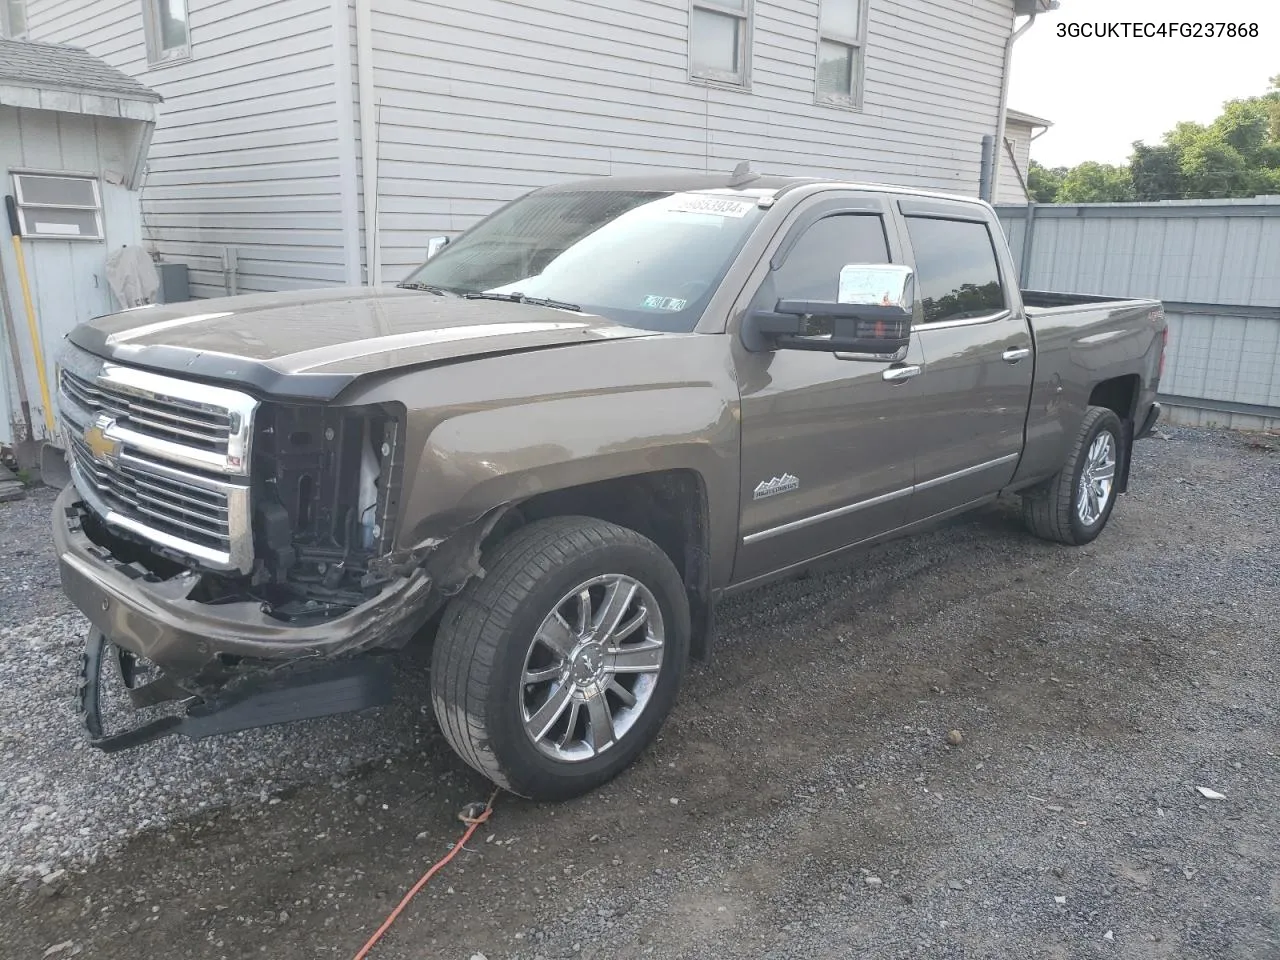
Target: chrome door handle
901	374
1014	354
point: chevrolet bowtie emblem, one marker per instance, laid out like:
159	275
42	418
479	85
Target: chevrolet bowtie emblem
100	445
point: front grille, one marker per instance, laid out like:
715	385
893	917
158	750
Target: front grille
178	503
188	422
161	459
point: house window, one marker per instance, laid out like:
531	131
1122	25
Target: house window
168	37
56	207
13	19
719	40
842	26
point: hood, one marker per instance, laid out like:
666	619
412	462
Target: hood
312	344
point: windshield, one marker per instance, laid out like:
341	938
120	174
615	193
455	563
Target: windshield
648	259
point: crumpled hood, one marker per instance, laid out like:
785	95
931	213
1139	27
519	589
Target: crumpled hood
313	343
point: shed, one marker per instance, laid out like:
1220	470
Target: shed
74	136
1019	130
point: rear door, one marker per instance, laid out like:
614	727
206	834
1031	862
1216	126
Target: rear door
970	411
824	461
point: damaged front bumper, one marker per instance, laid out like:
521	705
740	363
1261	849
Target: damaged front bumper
217	658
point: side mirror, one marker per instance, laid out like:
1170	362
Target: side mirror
829	328
872	315
435	245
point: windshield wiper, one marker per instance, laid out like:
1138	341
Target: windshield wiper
521	298
438	291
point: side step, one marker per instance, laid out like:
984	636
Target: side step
339	687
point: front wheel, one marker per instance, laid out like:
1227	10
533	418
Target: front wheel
1076	503
552	672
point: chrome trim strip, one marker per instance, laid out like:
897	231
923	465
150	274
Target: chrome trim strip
874	501
828	515
967	471
966	322
173	452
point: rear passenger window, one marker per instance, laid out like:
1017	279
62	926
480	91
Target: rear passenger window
956	272
812	268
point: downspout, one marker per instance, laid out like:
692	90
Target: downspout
1004	103
348	170
368	142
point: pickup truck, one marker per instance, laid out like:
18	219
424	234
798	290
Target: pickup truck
552	449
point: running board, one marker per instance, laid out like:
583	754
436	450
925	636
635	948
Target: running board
340	687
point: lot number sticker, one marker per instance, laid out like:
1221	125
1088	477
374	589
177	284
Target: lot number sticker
714	206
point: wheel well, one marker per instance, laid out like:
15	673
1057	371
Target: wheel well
669	507
1119	394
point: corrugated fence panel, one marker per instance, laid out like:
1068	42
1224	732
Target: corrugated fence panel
1215	263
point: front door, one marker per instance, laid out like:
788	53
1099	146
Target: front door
971	404
824	461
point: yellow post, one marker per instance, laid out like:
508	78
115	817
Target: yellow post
34	329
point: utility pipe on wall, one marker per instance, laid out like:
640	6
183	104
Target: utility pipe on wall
1004	103
368	142
344	93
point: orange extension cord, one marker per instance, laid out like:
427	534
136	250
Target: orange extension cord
472	824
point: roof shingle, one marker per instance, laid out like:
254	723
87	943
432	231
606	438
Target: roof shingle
48	66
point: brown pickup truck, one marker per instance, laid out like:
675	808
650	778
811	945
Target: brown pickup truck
552	449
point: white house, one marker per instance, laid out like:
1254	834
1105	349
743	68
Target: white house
308	142
73	140
1019	130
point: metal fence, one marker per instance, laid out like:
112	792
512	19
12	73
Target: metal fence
1214	263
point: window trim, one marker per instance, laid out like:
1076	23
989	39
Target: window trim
156	54
854	99
746	20
24	205
6	25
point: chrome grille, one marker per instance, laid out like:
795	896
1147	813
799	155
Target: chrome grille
163	459
169	418
180	507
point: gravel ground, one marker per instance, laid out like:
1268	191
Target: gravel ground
63	804
804	801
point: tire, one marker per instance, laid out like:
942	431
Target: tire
1053	511
485	651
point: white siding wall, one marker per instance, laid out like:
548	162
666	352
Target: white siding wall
67	277
245	153
1010	189
485	100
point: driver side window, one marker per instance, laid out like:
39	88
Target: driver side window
812	268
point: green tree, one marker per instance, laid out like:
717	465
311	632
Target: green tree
1156	172
1092	182
1237	155
1045	182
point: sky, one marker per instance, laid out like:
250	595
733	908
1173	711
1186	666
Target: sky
1104	94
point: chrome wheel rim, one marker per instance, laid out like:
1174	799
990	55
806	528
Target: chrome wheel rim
592	667
1097	479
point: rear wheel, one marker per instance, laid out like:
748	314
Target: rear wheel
1075	505
552	672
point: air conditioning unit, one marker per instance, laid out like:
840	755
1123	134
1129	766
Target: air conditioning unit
174	287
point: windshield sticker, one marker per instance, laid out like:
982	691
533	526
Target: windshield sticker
715	206
652	302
